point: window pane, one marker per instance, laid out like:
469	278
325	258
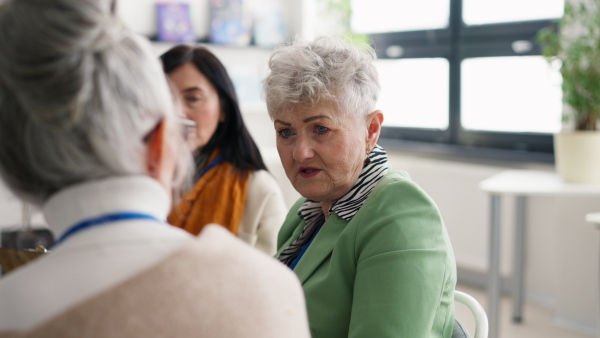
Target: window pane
511	94
414	92
477	12
378	16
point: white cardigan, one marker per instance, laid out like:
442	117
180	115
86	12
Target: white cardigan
98	258
264	212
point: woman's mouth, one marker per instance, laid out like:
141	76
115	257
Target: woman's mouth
308	172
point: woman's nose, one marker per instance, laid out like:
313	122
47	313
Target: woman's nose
303	149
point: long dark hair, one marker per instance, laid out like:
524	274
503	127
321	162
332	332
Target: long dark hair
231	137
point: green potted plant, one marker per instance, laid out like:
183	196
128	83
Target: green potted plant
575	43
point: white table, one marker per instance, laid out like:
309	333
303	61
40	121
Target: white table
520	184
594	218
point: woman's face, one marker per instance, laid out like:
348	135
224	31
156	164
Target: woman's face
322	151
200	102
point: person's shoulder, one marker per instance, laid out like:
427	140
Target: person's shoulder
250	279
262	175
263	180
220	250
215	240
397	194
396	183
264	194
398	215
396	176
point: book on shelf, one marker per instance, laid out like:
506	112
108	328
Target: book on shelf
269	27
228	23
174	22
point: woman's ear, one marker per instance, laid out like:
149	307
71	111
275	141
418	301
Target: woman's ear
374	122
156	150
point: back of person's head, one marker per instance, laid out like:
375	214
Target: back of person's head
78	94
231	137
328	68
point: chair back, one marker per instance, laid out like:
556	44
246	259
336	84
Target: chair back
19	246
11	259
459	331
481	320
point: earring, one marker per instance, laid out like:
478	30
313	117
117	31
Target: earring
367	160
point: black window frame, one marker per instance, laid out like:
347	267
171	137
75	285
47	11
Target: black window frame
455	43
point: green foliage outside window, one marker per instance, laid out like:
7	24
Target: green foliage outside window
342	9
575	42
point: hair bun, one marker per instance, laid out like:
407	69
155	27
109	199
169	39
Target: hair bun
47	58
109	33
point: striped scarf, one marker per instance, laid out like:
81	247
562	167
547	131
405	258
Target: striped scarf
345	207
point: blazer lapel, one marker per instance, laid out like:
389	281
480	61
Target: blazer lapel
320	248
293	237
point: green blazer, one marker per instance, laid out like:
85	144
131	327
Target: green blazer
389	272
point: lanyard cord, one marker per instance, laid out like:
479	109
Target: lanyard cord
101	220
211	165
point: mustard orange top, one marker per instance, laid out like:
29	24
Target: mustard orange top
219	196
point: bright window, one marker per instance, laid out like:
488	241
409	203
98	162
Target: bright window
377	16
407	88
513	94
477	12
466	73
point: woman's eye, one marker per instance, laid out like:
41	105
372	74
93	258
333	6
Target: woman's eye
191	99
321	129
285	133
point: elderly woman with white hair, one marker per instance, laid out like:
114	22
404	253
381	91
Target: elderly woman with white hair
88	131
368	244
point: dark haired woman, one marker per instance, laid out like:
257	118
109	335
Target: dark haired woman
233	187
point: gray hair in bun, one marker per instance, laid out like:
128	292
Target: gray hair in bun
78	93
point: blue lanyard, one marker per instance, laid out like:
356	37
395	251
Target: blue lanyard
92	222
211	165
